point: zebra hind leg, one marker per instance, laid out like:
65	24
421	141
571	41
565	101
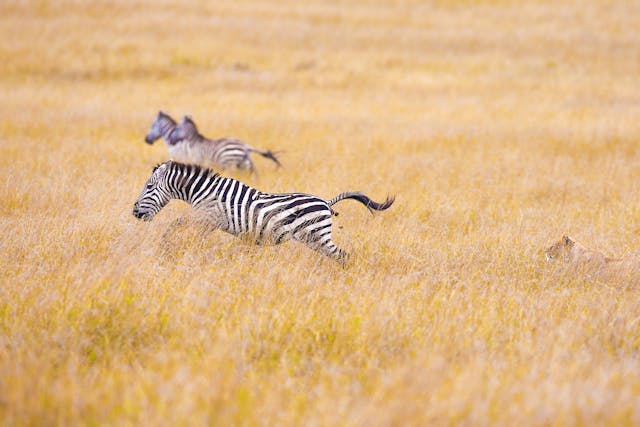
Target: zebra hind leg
247	165
326	247
331	250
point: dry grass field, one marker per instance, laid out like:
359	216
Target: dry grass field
499	125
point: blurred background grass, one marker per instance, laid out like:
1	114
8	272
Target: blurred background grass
500	125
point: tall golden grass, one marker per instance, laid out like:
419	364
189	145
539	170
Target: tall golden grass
499	125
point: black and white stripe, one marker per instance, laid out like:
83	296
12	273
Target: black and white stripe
246	212
188	145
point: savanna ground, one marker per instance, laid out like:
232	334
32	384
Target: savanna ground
499	125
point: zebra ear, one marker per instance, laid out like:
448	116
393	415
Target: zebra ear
162	165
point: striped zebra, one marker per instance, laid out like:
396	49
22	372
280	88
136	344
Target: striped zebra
162	127
245	212
185	143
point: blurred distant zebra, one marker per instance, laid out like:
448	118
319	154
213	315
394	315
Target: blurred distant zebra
224	152
161	128
186	144
246	212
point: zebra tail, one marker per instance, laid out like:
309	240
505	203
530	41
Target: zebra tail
362	198
268	154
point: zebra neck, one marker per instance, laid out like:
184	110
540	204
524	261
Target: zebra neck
195	137
193	184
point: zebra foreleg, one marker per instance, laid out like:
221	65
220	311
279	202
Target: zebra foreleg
169	240
204	225
179	223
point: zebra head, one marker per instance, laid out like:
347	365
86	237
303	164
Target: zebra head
162	126
154	195
185	130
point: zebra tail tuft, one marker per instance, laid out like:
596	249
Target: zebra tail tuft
365	200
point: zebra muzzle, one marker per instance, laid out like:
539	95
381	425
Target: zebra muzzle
137	213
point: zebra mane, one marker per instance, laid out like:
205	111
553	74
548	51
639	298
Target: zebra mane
190	168
190	128
164	116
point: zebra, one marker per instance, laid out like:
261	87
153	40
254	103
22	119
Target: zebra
161	128
246	212
187	144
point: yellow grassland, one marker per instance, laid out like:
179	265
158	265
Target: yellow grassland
499	125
